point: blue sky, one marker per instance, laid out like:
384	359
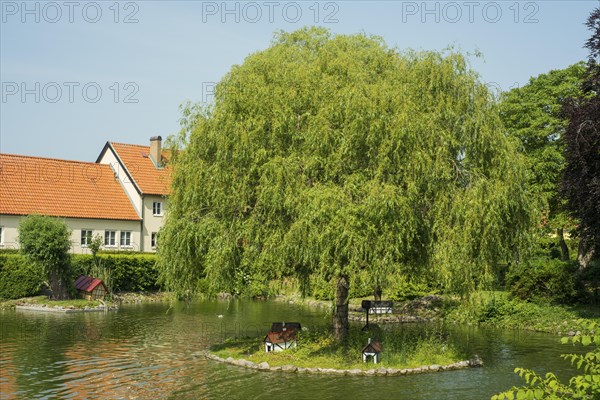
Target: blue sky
77	74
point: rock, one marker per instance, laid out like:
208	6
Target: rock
476	362
230	360
326	370
369	372
289	368
301	370
263	365
434	367
312	370
393	371
403	371
355	372
277	368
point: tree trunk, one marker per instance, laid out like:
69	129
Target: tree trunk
377	293
585	253
564	249
58	286
340	316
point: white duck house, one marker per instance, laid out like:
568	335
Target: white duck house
282	336
372	350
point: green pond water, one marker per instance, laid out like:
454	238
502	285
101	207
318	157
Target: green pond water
152	351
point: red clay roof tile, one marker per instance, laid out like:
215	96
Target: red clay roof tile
149	178
61	188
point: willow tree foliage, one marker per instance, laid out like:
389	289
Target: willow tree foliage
337	155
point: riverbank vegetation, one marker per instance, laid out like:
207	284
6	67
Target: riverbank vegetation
320	349
128	272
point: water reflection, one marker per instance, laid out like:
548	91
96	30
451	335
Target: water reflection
153	351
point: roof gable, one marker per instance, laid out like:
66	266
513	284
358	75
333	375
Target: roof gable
88	283
148	178
373	347
61	188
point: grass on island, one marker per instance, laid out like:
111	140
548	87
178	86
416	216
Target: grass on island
318	349
44	300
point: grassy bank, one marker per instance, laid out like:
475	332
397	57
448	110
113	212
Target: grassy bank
498	309
45	301
486	308
318	349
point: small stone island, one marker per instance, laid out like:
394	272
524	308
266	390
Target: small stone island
381	371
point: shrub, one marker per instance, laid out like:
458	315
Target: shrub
544	279
129	272
45	241
18	277
403	289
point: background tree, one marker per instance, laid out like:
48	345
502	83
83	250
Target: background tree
581	180
336	155
532	114
45	241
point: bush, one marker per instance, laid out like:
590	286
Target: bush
589	283
403	289
544	279
130	272
18	277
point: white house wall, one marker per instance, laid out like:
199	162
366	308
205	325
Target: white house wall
10	224
136	200
152	223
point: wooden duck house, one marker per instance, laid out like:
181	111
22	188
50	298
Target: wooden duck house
282	336
372	350
91	288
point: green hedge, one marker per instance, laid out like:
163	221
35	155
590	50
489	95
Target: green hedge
18	278
130	272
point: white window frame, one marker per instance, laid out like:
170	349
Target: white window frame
153	239
125	235
110	234
157	206
1	235
88	237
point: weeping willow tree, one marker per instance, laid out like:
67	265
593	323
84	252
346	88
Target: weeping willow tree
336	155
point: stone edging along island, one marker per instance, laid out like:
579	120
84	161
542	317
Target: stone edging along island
264	366
63	309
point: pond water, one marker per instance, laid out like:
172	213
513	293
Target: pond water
152	351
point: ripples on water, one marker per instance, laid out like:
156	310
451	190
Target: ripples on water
152	351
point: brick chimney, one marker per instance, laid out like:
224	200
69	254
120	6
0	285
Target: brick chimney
156	150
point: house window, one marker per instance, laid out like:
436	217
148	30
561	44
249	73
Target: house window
125	238
153	239
157	208
109	238
1	235
86	237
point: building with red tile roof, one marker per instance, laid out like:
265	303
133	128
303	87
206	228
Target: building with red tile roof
145	175
121	197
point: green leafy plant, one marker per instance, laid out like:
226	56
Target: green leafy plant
45	241
583	386
544	279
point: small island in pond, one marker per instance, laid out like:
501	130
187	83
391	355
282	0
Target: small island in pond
317	351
